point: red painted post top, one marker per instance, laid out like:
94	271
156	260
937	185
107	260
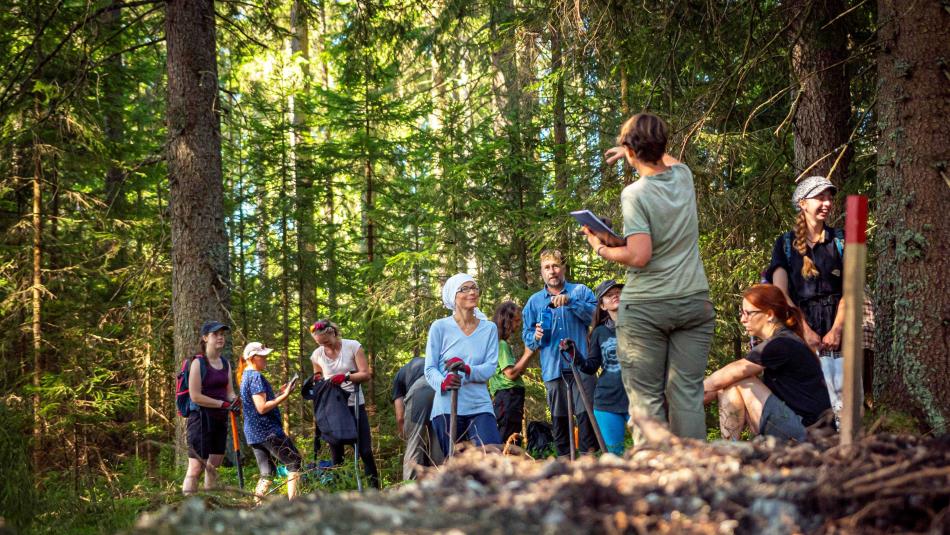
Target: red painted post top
856	219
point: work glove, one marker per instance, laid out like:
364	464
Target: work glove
233	406
457	364
451	382
338	379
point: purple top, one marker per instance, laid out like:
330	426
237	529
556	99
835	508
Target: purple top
215	384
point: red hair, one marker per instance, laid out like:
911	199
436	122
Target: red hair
769	299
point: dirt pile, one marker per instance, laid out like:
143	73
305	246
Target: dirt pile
884	484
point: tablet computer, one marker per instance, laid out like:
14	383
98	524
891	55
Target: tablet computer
588	219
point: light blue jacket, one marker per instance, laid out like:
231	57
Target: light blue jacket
479	350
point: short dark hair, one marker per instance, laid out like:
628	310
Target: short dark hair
646	135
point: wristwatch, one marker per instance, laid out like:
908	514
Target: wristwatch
346	376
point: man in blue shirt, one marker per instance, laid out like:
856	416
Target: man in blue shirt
571	307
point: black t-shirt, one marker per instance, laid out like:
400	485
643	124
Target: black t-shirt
826	258
408	374
792	373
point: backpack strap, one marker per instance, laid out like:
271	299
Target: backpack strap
202	364
787	241
839	241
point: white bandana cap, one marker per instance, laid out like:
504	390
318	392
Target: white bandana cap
451	287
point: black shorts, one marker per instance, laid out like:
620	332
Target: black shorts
276	447
207	433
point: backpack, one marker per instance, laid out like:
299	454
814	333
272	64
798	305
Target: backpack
182	398
540	438
838	238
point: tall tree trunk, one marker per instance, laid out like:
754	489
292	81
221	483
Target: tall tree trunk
507	93
199	249
110	22
823	102
560	131
37	298
912	365
303	178
285	274
328	200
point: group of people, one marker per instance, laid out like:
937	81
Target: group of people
641	346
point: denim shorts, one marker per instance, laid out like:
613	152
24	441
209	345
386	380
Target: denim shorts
780	421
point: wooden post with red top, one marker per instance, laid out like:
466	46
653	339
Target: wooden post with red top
852	342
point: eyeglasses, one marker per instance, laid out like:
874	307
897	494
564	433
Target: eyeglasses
468	289
748	313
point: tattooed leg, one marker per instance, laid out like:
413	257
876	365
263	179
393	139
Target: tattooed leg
732	413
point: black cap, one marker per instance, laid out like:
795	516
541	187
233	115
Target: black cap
605	286
213	327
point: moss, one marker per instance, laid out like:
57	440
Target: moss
909	246
903	68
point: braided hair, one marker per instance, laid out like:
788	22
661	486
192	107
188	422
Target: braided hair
809	269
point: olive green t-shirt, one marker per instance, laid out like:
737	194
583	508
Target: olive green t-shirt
664	206
500	381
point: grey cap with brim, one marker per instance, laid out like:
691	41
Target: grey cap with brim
811	187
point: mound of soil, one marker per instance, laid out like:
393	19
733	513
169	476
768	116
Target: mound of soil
883	484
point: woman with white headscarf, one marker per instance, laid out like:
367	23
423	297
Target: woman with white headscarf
468	340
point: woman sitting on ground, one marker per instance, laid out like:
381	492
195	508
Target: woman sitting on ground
342	362
468	341
211	397
791	393
262	424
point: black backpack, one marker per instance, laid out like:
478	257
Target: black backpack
540	438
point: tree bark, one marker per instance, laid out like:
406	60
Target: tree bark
113	124
36	291
822	115
199	250
560	131
912	365
306	252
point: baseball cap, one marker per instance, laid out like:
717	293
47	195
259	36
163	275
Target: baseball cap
255	348
605	286
212	327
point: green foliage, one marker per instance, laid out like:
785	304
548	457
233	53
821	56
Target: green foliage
406	143
17	493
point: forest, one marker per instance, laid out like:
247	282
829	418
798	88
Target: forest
267	163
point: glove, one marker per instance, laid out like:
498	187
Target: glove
461	366
451	382
338	379
233	406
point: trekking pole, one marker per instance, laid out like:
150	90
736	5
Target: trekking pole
568	345
236	443
453	414
356	447
570	409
